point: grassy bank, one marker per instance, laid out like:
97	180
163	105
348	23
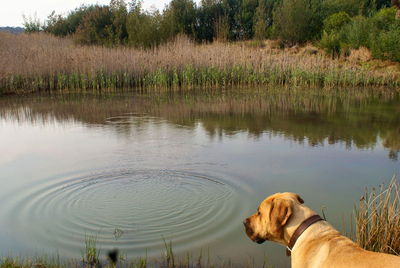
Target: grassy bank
42	62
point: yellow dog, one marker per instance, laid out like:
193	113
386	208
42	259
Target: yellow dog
311	241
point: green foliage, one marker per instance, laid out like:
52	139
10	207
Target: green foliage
244	19
380	33
385	18
357	32
32	25
294	21
142	28
212	21
333	36
386	45
59	25
96	27
384	37
331	43
347	23
336	21
120	17
330	7
260	25
182	14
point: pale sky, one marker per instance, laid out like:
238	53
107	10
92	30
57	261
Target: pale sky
11	10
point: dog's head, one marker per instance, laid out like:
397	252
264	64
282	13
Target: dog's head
271	217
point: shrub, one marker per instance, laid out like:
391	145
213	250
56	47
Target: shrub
331	43
385	35
357	32
336	21
385	18
386	45
293	21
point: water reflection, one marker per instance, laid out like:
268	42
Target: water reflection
131	167
357	118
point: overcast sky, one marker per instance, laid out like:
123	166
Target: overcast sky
11	10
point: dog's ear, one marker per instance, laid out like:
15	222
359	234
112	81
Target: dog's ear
279	214
300	199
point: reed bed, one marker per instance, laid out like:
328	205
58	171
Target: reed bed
43	62
378	220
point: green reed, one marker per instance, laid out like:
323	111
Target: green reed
192	76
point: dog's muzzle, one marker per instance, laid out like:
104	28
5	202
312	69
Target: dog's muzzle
250	233
248	229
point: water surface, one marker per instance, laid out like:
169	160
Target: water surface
133	168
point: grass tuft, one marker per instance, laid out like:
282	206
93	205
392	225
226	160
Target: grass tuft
91	255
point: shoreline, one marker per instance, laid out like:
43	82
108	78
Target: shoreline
37	62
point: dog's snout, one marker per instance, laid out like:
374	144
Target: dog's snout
249	231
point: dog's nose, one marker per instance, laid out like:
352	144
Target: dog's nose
245	222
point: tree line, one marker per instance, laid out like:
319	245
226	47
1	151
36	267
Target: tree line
291	21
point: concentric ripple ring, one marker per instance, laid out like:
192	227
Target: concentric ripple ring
130	209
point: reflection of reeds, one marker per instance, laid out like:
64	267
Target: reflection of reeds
378	220
36	62
256	110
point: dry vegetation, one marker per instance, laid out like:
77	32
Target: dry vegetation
39	61
378	220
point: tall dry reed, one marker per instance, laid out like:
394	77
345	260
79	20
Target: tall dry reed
40	61
378	220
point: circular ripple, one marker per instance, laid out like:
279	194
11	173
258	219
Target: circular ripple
132	210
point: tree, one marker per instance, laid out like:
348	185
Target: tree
295	21
96	28
32	25
243	27
60	25
210	20
182	16
260	23
222	29
120	17
143	27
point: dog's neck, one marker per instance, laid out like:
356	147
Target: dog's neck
294	222
299	231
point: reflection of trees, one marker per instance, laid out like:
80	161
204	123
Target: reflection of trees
316	117
392	142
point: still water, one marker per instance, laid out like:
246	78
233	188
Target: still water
134	168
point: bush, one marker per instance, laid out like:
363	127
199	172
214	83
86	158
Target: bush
386	45
385	35
293	21
385	18
357	32
336	21
331	43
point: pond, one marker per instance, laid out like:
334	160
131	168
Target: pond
134	167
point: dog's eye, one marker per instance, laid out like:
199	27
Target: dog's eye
258	213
